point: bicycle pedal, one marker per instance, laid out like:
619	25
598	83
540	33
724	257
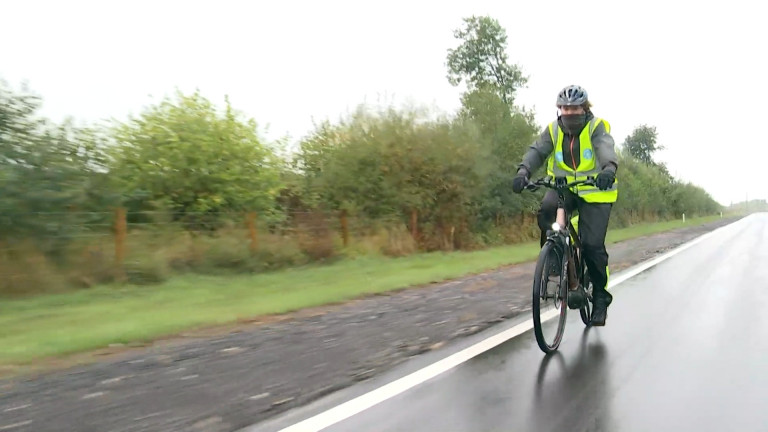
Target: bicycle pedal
576	299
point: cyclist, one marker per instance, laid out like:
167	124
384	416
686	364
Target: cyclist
578	145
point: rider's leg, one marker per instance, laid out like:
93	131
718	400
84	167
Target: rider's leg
546	217
548	212
593	225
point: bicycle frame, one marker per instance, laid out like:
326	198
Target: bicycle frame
566	239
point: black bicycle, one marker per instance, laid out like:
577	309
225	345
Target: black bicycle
561	276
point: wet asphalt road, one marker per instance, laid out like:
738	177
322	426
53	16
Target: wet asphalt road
685	348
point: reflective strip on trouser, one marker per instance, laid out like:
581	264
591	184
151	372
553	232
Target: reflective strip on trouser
575	223
608	296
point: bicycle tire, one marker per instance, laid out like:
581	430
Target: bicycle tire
542	274
586	310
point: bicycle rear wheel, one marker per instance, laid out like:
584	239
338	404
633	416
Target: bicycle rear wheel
586	310
549	298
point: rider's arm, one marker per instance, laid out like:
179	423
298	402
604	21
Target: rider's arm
604	147
537	153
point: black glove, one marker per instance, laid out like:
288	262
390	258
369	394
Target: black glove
519	182
605	179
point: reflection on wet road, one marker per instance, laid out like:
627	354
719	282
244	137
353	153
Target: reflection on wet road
685	348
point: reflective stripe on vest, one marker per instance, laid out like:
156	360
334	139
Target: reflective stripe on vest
556	166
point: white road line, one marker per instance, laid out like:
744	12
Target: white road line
16	425
374	397
17	408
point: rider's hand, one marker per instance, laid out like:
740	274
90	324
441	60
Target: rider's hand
605	179
519	183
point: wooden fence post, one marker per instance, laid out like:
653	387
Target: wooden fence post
252	232
121	230
344	228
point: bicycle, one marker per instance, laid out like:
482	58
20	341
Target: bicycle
562	250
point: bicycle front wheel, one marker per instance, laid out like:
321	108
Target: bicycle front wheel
550	289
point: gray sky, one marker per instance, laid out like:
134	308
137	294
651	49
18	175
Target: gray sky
692	69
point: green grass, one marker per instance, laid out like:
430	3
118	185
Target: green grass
647	229
53	325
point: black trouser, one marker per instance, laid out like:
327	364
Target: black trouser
593	225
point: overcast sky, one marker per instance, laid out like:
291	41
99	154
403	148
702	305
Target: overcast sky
695	70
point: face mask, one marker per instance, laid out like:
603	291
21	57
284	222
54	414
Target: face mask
574	123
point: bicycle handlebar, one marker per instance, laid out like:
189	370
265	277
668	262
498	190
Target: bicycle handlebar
558	183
